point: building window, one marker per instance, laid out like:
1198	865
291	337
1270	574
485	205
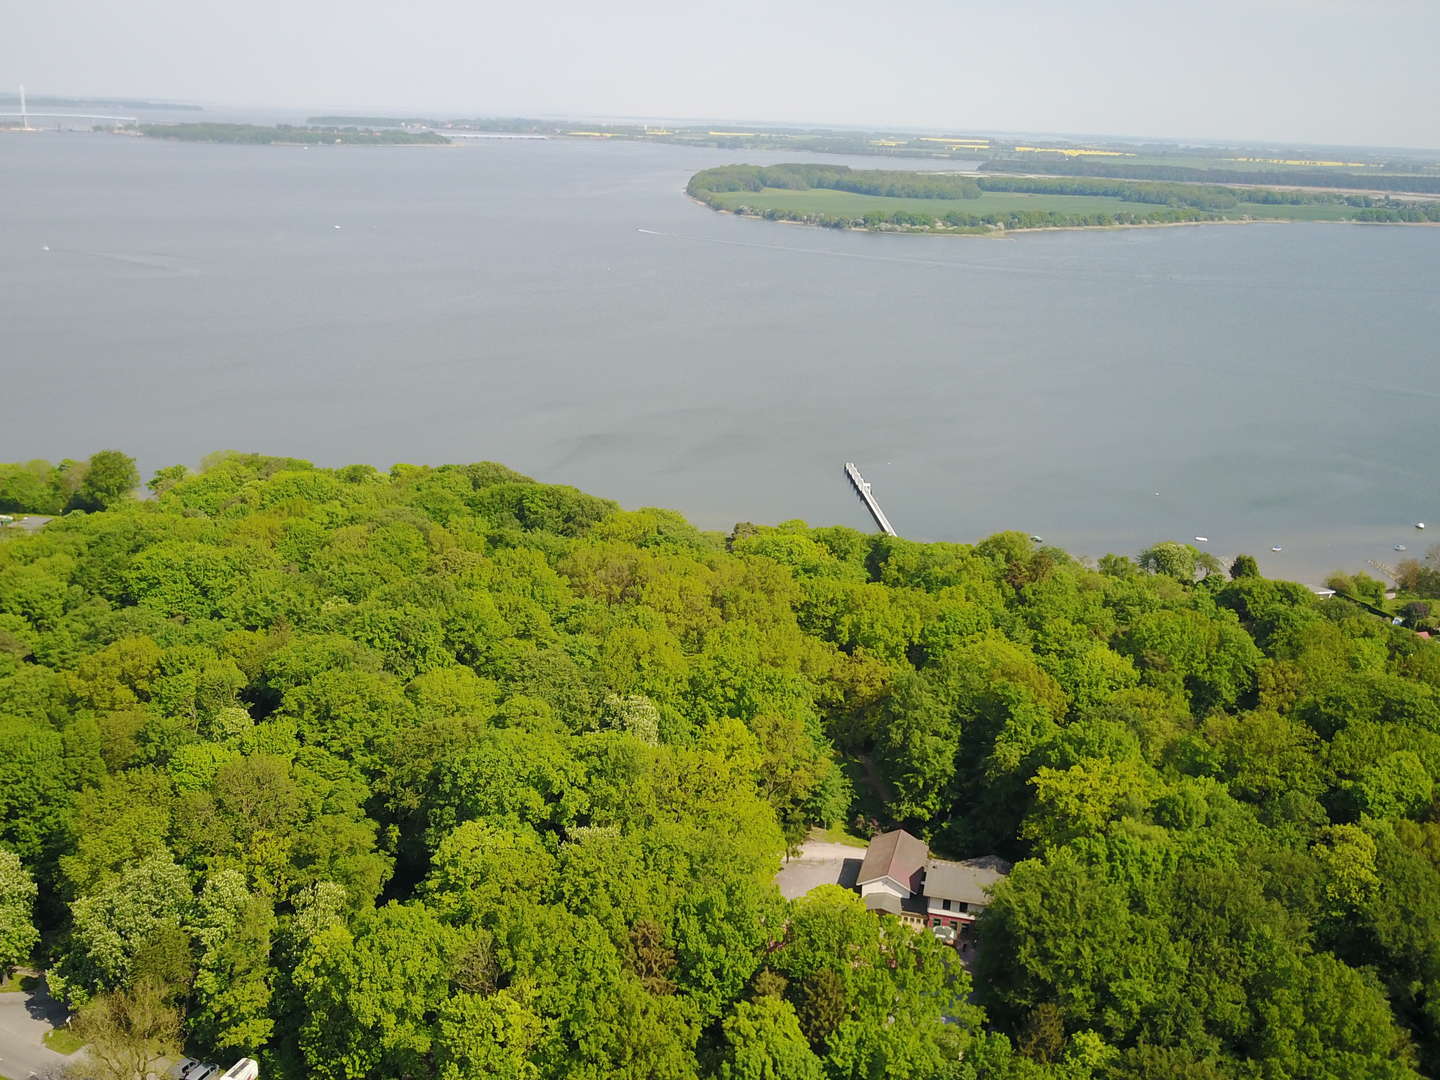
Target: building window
945	905
963	906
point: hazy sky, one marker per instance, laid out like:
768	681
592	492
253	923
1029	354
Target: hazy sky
1341	71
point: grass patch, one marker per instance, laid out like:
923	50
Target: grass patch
1312	212
839	834
12	984
63	1041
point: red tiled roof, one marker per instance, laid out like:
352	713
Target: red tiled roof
896	855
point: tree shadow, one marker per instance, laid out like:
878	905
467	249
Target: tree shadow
41	1005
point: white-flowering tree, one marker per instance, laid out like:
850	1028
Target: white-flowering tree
17	913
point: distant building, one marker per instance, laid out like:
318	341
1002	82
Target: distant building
900	878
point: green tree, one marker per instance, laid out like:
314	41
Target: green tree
1084	799
109	478
1059	932
1244	566
1179	561
149	901
18	935
124	1031
763	1041
1398	785
233	981
479	867
370	996
166	478
490	1038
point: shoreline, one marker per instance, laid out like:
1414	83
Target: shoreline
991	233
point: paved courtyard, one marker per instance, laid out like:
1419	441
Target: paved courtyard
819	863
25	1017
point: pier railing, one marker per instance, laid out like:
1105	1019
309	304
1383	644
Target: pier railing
862	488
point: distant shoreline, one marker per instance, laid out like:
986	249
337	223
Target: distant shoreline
1001	231
283	135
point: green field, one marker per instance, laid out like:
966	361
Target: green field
848	204
1310	212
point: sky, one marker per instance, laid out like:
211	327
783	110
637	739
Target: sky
1306	71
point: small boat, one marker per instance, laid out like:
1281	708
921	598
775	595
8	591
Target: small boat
1037	539
1418	524
1202	539
1277	547
1399	547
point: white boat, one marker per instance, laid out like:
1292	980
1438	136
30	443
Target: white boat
1202	539
1277	547
1399	547
1419	524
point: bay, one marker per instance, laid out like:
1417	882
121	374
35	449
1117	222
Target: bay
562	307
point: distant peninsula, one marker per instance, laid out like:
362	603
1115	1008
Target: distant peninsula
835	196
283	134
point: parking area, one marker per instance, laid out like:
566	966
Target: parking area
26	523
819	863
25	1017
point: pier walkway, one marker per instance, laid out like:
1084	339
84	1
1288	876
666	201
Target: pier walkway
862	488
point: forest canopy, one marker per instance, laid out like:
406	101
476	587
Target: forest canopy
444	772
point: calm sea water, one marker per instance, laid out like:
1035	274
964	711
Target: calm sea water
563	308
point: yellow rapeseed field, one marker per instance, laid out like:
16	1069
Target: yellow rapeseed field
1072	152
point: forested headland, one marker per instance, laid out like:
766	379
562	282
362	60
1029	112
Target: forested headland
261	135
443	772
952	202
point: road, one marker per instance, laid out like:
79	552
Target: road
24	1020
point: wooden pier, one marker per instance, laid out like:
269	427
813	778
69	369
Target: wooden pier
862	488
